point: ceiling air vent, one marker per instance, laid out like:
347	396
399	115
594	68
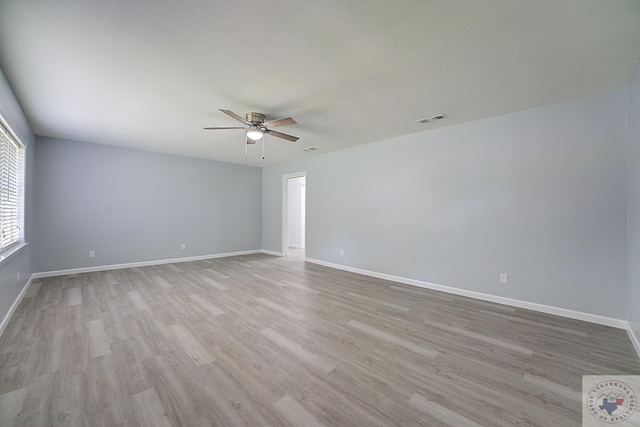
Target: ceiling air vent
310	149
432	118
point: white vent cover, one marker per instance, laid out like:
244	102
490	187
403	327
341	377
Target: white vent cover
432	118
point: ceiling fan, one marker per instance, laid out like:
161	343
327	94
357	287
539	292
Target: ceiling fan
256	127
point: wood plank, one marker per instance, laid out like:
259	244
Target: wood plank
292	284
74	296
149	409
11	406
298	350
392	339
33	289
280	309
553	387
296	413
486	339
110	279
70	409
175	267
191	345
214	283
442	413
206	305
137	300
377	301
98	340
161	281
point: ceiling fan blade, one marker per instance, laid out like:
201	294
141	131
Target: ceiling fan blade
217	128
280	122
282	135
235	116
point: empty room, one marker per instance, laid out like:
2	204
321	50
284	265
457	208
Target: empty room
350	213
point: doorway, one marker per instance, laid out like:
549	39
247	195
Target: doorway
294	214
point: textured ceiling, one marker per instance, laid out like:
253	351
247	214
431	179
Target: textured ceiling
150	74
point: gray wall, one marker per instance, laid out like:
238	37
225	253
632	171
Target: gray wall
23	261
135	206
539	194
633	252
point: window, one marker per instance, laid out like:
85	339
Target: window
11	177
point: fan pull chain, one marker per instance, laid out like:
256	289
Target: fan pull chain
246	150
263	148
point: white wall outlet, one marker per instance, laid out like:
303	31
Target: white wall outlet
341	252
504	278
183	247
92	254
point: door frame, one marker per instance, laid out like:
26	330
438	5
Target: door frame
285	211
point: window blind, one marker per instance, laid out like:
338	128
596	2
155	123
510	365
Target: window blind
10	183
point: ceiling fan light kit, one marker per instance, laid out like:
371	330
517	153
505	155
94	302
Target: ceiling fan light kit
254	133
256	127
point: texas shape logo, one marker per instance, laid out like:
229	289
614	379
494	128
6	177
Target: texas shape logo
611	401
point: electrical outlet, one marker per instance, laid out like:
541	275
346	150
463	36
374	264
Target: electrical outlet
92	254
183	247
341	252
504	278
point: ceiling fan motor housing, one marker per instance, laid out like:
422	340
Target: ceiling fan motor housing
255	118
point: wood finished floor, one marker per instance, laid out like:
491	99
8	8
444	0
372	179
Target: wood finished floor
267	341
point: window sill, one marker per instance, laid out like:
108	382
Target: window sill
11	252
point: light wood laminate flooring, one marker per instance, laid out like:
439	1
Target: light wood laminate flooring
266	341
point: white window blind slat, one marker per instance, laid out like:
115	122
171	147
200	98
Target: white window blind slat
11	153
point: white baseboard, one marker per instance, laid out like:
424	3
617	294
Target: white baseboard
578	315
15	305
634	339
139	264
274	253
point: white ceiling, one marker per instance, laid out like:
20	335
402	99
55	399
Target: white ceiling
150	74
